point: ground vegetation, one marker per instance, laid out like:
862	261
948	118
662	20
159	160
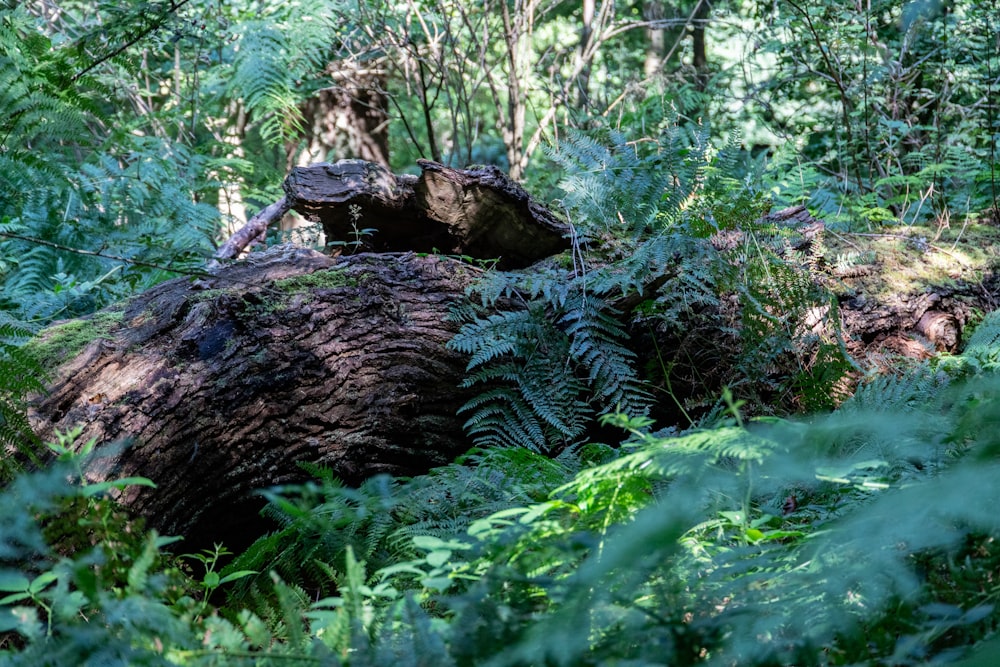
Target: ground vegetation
748	418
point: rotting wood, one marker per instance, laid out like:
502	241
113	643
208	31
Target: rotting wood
478	213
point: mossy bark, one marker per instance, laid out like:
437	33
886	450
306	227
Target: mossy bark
219	388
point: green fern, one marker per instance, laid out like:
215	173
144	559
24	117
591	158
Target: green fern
274	55
614	181
792	355
20	375
984	345
853	575
377	522
549	347
74	176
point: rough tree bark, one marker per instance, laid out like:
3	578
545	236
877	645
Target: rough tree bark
223	385
288	357
479	213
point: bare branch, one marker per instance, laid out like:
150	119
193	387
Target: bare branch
255	227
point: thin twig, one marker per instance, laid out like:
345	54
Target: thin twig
153	27
96	253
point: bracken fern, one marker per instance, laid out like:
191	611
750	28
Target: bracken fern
548	344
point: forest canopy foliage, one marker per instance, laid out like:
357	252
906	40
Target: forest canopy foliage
136	136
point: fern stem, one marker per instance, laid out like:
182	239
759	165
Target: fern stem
666	377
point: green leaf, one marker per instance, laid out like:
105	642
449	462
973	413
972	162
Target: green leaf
233	576
978	613
102	487
14	597
401	568
10	619
438	583
438	557
779	535
42	581
13	581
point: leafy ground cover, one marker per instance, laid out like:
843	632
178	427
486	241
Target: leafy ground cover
899	259
835	517
861	536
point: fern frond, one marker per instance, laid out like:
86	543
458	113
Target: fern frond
503	418
498	335
556	326
597	344
20	375
984	344
261	76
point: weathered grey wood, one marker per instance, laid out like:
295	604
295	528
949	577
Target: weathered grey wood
488	215
256	228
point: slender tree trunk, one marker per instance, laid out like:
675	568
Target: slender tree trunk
700	60
657	39
516	38
586	34
231	204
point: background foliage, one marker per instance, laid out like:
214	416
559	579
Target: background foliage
134	136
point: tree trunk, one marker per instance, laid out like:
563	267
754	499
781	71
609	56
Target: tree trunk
586	35
479	213
348	120
657	39
290	357
517	25
700	58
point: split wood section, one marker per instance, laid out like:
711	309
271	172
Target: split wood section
477	212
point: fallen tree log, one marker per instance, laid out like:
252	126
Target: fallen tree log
223	387
478	213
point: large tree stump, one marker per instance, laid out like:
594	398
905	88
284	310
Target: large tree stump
223	387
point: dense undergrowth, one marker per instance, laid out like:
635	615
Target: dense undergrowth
863	535
862	531
858	535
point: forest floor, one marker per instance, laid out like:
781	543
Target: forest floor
887	281
908	258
